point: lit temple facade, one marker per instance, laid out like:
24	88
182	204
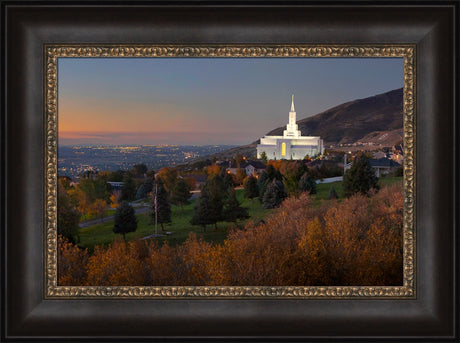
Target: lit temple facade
291	145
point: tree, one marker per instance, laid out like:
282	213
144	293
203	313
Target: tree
213	170
102	189
66	180
160	204
168	178
240	176
262	183
116	176
232	211
181	193
144	189
139	170
79	199
360	178
125	219
332	193
151	174
228	180
202	210
307	184
263	157
216	189
128	192
68	216
99	208
191	182
292	172
273	173
274	195
72	262
267	176
251	190
115	198
94	189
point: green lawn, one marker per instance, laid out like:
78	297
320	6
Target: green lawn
87	217
324	188
322	191
181	227
387	181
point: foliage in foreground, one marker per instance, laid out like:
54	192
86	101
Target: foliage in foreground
355	242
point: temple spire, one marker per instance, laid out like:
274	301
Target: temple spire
292	129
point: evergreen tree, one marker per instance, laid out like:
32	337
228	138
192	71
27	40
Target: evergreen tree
332	193
144	189
160	200
251	190
267	176
274	195
360	178
181	193
202	210
307	184
125	219
273	173
262	183
128	192
263	157
228	180
232	211
216	189
68	216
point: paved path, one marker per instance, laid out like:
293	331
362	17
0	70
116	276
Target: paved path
108	218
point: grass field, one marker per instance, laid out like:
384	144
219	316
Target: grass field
181	227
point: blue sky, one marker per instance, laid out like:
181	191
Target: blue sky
206	100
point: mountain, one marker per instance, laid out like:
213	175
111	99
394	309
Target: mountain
351	121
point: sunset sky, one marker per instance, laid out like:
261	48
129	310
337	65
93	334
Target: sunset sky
206	100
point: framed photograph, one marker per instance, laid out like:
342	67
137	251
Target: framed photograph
236	171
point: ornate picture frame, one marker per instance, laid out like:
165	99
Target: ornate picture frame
407	290
36	308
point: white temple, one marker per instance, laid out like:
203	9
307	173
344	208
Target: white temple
291	145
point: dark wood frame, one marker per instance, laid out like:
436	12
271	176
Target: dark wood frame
27	26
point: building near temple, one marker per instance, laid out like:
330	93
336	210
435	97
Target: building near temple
291	145
252	168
